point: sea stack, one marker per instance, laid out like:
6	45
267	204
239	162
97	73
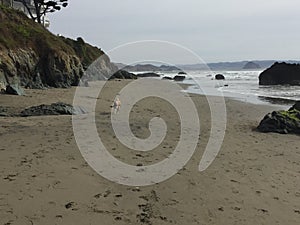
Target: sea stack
281	74
251	66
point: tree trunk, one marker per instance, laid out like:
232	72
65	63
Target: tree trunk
37	7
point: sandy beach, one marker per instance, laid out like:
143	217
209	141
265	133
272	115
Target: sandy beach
45	180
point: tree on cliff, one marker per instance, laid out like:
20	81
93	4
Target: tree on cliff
37	9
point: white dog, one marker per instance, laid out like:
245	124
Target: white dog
117	105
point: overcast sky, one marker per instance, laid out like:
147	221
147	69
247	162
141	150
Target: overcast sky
217	30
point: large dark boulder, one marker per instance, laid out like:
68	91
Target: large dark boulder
123	74
148	75
167	78
219	77
281	74
14	89
179	78
282	122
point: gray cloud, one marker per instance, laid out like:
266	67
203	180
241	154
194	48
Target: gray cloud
222	30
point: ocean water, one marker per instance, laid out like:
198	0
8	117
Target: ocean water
241	85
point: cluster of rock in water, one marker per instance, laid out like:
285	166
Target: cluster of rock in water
123	74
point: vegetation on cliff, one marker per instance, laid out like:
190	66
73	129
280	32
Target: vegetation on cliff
18	31
86	53
34	57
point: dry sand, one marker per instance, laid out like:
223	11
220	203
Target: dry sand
45	180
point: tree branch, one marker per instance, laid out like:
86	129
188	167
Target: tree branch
42	7
28	9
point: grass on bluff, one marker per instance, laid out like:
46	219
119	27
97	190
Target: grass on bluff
86	53
18	31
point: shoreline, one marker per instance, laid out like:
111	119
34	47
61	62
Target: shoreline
251	99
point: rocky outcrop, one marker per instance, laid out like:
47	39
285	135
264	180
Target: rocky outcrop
33	57
122	74
179	78
59	69
281	74
148	75
251	66
58	108
100	69
14	90
283	122
26	67
219	77
95	62
176	78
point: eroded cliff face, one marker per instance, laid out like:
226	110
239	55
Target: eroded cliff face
100	69
17	63
55	69
35	58
59	69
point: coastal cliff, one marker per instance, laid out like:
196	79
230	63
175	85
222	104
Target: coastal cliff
33	57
